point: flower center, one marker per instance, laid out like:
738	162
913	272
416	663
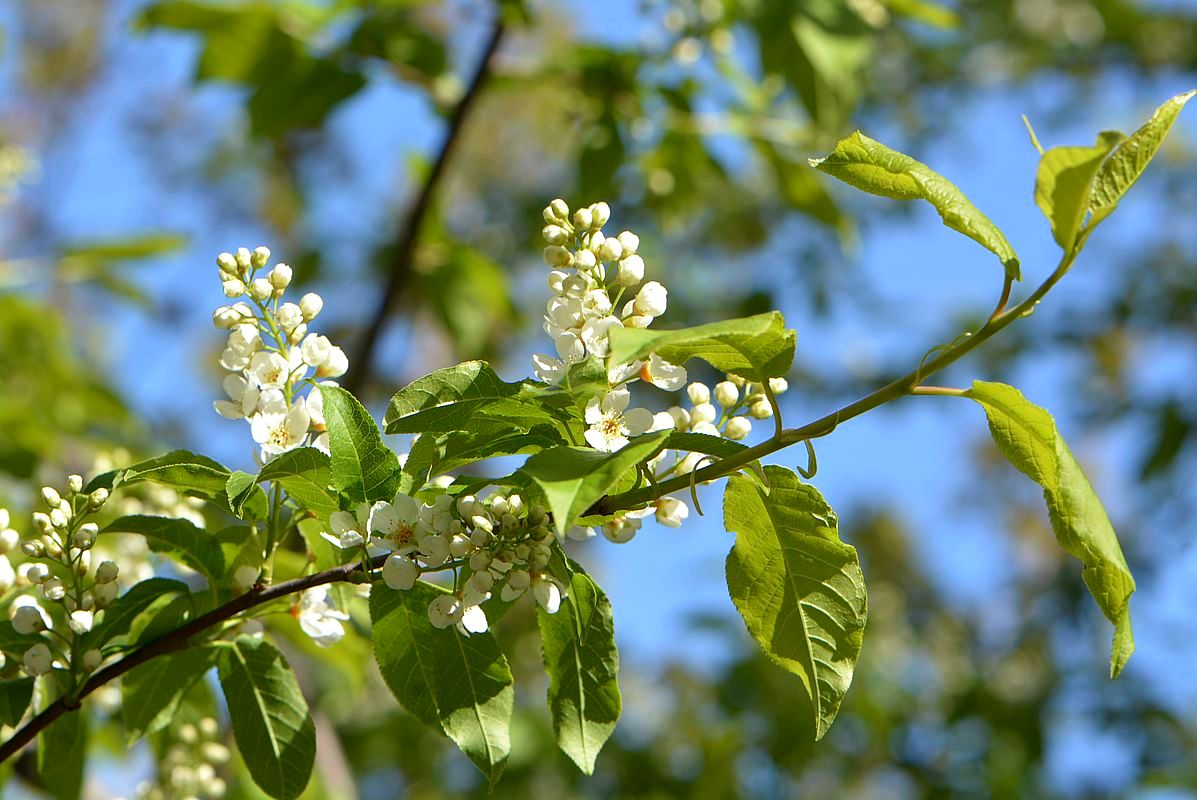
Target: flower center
610	425
403	534
279	436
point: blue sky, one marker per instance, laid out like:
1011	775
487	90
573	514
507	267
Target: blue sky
98	181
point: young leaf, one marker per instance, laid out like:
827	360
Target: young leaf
184	471
246	499
573	478
583	667
451	681
305	474
799	588
15	695
1062	186
758	347
1028	438
117	619
1132	155
271	721
362	466
874	168
179	538
151	692
438	455
468	397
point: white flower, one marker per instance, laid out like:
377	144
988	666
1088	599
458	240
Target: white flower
314	402
585	260
671	512
555	234
259	256
335	365
704	427
702	412
243	398
348	530
396	523
738	428
557	256
244	577
319	618
289	316
761	409
569	347
611	250
434	549
38	659
631	270
546	368
681	417
444	611
621	529
699	393
8	575
547	593
621	373
233	288
651	300
596	335
473	620
630	242
400	572
726	394
271	370
610	425
277	433
579	533
778	385
662	374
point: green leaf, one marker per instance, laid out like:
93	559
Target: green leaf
468	397
573	478
183	471
362	466
874	168
271	721
15	644
125	247
1062	187
438	455
151	692
704	443
583	667
305	474
799	588
246	499
1132	155
757	347
117	619
15	696
62	747
1027	436
460	684
194	546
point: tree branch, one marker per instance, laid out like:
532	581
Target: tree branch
403	260
177	640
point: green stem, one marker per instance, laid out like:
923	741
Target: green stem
899	387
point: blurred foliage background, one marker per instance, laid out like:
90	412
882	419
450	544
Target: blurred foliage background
397	153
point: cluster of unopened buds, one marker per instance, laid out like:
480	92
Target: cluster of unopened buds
60	566
500	545
189	767
271	355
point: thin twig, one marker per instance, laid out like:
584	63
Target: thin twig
403	261
175	640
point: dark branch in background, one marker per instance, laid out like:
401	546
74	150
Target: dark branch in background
177	640
402	262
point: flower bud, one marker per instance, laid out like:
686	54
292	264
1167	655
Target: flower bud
280	277
9	539
28	620
233	287
97	499
106	572
699	393
227	264
74	484
444	611
244	259
58	519
311	304
289	316
91	659
778	385
296	336
259	257
630	243
584	259
51	545
261	290
480	561
726	394
335	365
106	593
80	621
400	572
738	428
83	562
671	512
38	573
600	213
33	548
244	577
557	256
38	659
50	496
555	234
761	409
53	589
651	300
583	219
737	380
631	270
556	212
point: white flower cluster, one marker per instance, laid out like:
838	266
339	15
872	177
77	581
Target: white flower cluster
497	545
60	565
271	355
588	267
738	400
188	769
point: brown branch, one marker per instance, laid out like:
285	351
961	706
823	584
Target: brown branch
177	640
403	260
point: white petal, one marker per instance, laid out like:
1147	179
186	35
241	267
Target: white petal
616	400
473	619
638	420
596	439
594	412
227	409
